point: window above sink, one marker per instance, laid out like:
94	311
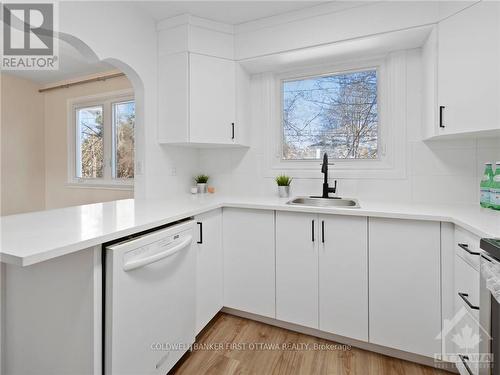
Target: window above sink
355	111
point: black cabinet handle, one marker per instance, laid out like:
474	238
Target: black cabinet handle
312	230
201	232
466	248
322	231
441	109
232	130
464	360
466	300
483	257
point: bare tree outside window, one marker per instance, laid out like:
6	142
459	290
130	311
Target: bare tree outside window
123	123
336	114
105	144
91	144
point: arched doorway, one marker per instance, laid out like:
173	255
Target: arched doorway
66	162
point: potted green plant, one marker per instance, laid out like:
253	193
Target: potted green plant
283	182
201	183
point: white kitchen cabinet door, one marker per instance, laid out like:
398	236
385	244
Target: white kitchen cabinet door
209	275
469	69
297	268
249	260
404	279
343	276
212	99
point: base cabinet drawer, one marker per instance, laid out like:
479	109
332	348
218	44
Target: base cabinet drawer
466	287
467	247
463	341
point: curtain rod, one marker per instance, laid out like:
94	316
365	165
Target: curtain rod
83	81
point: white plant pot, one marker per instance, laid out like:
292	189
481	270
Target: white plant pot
284	191
202	188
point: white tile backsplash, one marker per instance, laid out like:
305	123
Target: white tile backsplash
430	160
444	189
437	173
443	171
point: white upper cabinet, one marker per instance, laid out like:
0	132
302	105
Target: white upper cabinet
462	73
203	92
212	99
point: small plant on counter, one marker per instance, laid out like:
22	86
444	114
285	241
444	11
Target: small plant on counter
283	182
201	179
201	183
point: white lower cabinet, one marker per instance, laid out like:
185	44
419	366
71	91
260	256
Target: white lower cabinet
404	279
297	268
343	276
321	272
209	275
249	268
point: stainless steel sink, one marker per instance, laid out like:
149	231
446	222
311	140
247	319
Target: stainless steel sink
325	202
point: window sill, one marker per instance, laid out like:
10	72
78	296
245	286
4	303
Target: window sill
101	186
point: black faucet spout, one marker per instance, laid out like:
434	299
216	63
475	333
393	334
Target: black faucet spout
324	169
324	166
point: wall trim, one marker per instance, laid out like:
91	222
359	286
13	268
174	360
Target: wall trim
189	19
298	15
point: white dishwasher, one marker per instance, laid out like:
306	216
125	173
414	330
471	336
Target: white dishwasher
149	301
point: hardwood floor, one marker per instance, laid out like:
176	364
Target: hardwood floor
231	345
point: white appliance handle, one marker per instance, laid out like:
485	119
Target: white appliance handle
132	265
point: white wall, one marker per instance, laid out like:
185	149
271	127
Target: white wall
123	35
437	172
22	146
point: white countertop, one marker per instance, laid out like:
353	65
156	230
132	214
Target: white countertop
34	237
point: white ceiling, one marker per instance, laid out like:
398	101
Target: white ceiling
230	12
71	65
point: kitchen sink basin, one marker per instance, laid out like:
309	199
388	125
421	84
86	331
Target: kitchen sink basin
325	202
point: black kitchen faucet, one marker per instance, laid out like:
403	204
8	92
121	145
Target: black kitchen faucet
324	169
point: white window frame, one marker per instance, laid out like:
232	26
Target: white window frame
391	107
329	74
106	100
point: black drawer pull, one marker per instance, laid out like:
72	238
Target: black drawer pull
464	360
201	232
312	230
322	231
466	248
232	130
466	300
483	257
441	109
